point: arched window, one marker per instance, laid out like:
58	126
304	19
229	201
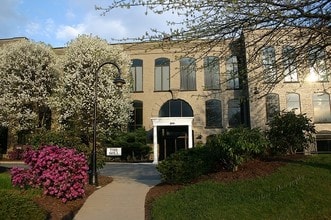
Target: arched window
137	116
293	102
322	112
234	113
212	73
272	105
162	74
176	108
187	74
137	75
213	113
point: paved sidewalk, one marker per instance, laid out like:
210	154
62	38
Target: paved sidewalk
123	199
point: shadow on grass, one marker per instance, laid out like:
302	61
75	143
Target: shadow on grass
4	169
303	160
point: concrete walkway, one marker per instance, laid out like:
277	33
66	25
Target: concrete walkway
124	198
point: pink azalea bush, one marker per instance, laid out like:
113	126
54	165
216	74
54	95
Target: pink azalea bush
60	172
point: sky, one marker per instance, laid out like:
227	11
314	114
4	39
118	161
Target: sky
56	22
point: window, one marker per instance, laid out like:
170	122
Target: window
137	75
317	65
293	103
162	74
289	62
213	113
212	73
321	103
187	74
232	73
234	113
176	108
272	105
137	116
269	64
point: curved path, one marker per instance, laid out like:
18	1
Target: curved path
124	198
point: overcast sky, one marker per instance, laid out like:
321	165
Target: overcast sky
56	22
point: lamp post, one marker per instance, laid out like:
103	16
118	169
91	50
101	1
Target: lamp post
119	82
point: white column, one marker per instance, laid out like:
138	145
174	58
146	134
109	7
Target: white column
156	153
190	137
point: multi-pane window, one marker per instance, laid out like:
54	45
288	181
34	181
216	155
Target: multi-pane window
289	63
176	108
137	116
187	74
269	64
317	65
322	112
293	103
232	73
213	113
212	72
234	113
137	75
162	74
272	106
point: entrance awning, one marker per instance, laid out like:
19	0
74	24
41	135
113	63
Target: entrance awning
170	121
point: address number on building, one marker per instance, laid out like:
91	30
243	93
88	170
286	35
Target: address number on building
114	151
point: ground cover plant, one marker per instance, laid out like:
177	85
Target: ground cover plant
296	190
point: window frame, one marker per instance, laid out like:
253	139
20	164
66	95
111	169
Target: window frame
269	64
210	110
271	109
232	73
322	107
134	70
163	64
211	66
187	74
289	64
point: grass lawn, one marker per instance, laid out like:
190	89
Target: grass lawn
18	204
299	190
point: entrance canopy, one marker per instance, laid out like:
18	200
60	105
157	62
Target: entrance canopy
170	121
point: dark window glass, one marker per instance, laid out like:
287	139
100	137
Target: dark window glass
137	116
137	75
162	74
176	108
212	73
213	113
234	113
232	73
187	74
272	105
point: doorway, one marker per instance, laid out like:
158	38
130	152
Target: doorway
172	139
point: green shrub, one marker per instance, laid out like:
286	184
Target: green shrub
15	205
290	133
234	146
186	165
134	145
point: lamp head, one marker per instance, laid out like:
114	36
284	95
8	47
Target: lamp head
119	82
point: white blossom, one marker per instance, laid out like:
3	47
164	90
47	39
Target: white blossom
76	91
28	76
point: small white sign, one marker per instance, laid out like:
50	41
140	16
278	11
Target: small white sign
112	151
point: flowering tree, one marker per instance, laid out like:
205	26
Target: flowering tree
28	77
76	105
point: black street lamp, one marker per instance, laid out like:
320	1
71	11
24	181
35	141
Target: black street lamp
119	82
